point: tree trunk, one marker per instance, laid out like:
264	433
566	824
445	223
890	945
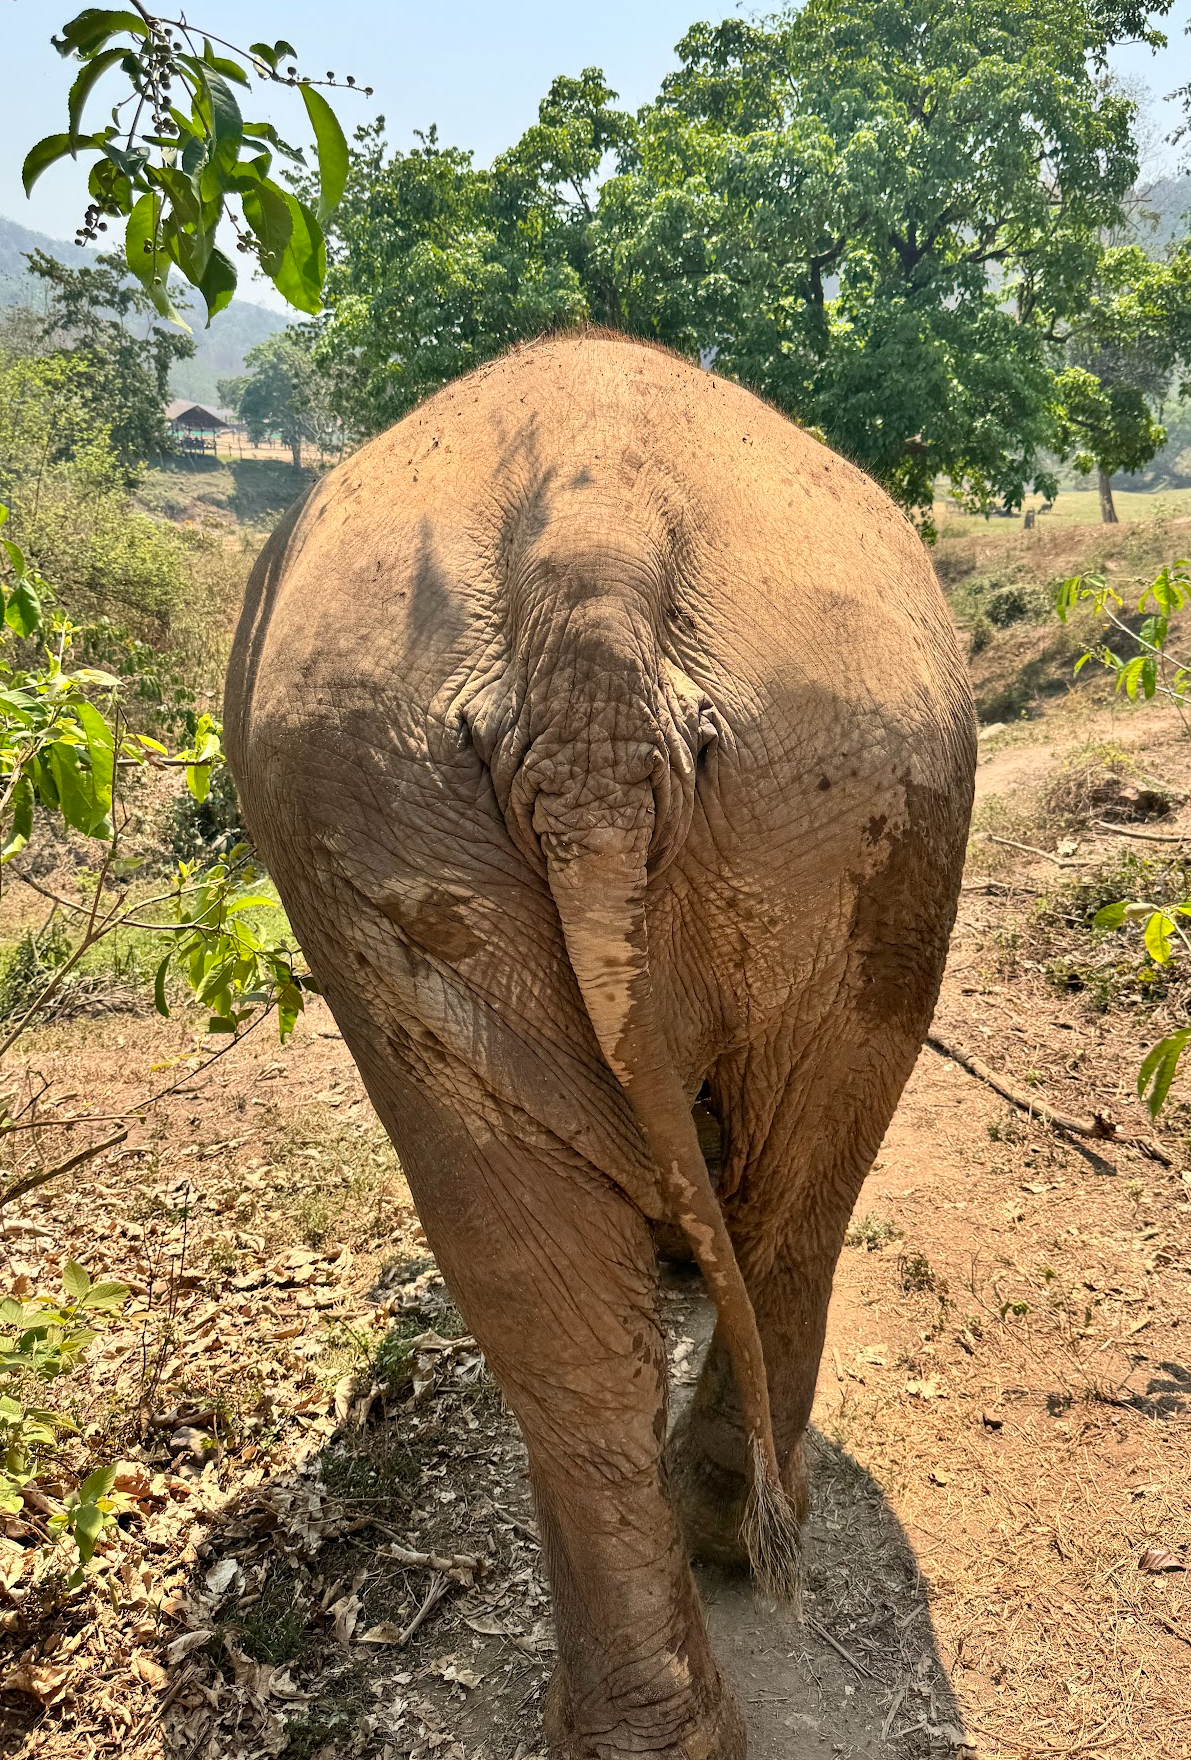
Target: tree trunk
295	447
1108	510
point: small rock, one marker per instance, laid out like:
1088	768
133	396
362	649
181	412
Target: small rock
199	1444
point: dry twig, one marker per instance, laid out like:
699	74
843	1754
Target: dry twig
1097	1125
1146	836
860	1667
1030	850
32	1181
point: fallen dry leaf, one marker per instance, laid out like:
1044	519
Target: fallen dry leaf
150	1672
384	1633
43	1681
1156	1559
221	1576
188	1641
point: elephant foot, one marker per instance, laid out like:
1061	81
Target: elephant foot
714	1730
709	1500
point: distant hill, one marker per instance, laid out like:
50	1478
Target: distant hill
1162	215
220	350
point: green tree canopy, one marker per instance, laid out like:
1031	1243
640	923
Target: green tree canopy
91	313
1127	343
281	394
879	213
876	211
438	265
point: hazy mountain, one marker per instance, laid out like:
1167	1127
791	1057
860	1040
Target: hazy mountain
1161	214
220	350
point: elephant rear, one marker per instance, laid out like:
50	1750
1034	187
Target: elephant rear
607	737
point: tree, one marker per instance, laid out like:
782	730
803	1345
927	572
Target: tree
125	377
880	215
437	266
877	214
1125	346
281	394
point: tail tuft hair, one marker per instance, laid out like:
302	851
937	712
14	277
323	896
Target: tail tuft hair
771	1535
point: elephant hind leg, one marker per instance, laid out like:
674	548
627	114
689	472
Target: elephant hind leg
555	1274
798	1158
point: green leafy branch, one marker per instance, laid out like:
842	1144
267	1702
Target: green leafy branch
64	750
1150	672
1164	936
178	152
41	1340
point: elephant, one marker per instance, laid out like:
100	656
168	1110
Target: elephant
608	742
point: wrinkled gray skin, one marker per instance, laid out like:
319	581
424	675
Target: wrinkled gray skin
607	736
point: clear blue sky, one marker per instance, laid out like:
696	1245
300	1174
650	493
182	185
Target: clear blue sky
475	67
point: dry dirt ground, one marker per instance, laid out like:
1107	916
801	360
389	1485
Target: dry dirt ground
328	1548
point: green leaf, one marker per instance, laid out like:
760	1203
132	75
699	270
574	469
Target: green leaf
1069	595
1111	916
266	132
332	152
75	1280
109	1295
92	71
46	153
97	1484
218	283
1158	1070
227	129
224	65
92	27
267	211
87	1526
198	780
100	750
72	785
23	611
303	268
22	820
1157	937
159	1001
143	250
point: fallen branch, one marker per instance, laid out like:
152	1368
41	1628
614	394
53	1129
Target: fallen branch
1000	888
456	1564
1146	836
506	1515
32	1181
1097	1125
1031	850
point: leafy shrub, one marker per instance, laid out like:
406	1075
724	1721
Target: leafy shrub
42	1340
1007	605
29	968
202	829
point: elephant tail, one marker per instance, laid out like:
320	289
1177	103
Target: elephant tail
599	890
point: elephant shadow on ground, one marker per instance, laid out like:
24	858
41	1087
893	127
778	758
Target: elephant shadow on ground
381	1594
859	1675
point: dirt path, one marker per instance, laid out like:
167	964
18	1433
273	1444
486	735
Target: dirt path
1002	1425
